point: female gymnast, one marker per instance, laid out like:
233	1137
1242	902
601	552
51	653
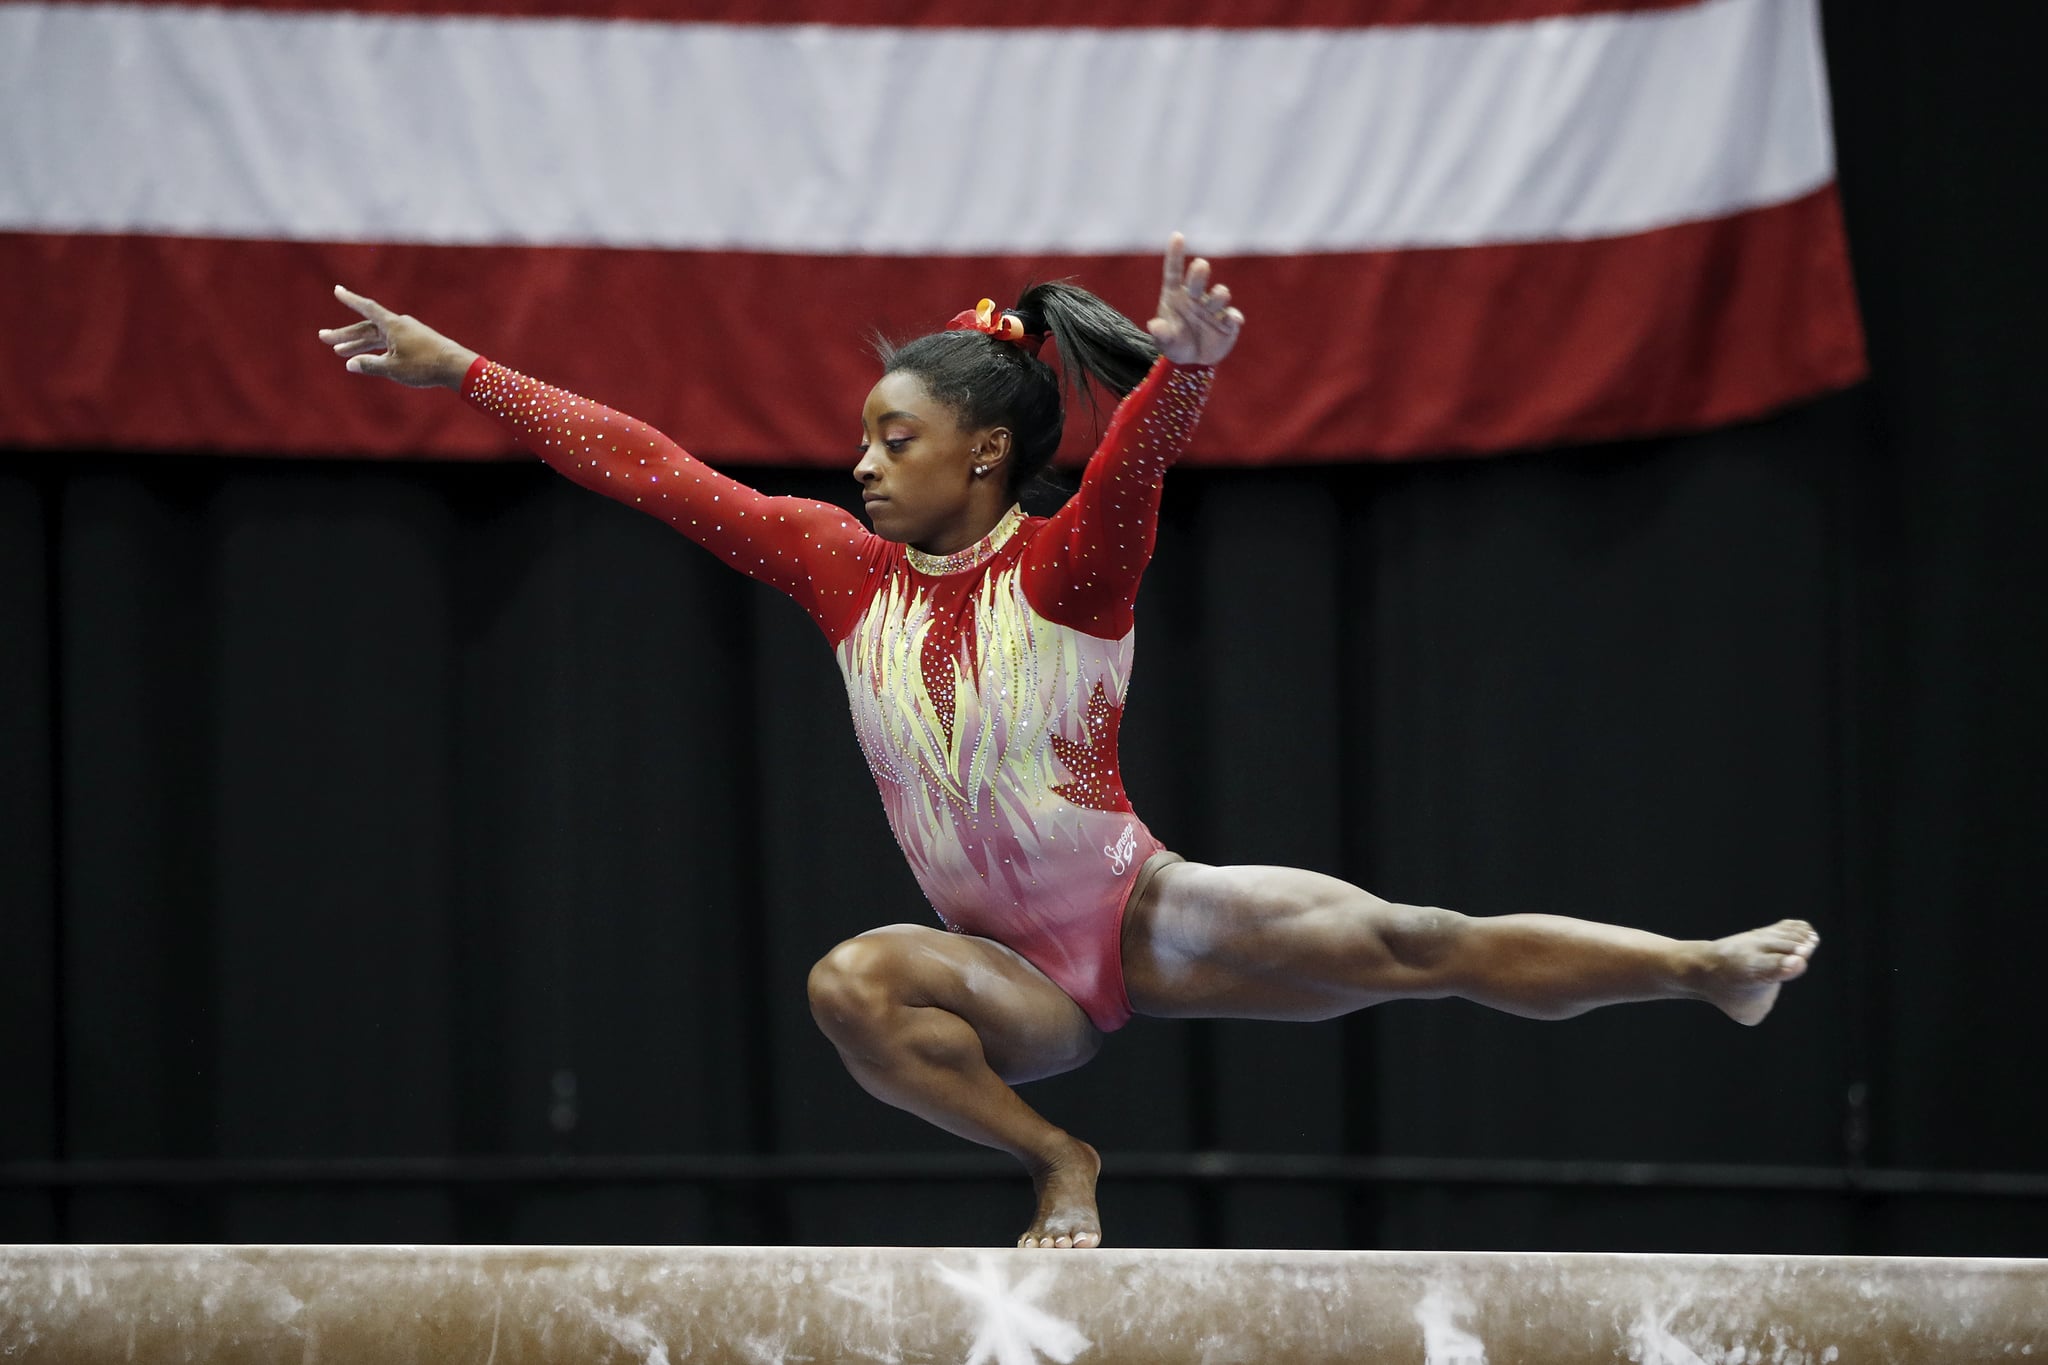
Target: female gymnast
985	654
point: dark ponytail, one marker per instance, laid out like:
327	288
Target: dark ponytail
991	383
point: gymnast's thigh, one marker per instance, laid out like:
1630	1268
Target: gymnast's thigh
1263	943
1029	1028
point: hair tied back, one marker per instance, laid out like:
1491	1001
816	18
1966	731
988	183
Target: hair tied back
1003	326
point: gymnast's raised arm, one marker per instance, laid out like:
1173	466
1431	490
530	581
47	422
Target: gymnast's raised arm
1084	570
813	551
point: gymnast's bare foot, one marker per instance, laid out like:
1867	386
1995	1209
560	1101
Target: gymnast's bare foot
1742	973
1066	1202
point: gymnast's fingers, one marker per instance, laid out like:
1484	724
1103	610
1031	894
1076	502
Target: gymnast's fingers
1223	325
1175	274
355	331
368	307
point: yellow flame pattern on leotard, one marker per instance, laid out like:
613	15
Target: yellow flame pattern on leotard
975	789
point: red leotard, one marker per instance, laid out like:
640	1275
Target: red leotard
986	686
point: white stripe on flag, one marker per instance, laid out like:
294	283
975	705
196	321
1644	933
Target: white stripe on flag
812	138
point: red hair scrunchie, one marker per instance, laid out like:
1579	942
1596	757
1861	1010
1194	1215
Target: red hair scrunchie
1003	326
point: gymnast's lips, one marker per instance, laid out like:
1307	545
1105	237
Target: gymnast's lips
870	499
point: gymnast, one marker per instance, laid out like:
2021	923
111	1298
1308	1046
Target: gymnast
986	655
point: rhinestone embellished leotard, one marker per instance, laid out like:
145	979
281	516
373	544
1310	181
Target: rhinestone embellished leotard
986	686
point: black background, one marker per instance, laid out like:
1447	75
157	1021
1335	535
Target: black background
377	811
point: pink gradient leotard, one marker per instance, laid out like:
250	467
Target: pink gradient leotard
986	686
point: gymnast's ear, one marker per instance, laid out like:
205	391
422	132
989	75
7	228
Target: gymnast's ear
990	453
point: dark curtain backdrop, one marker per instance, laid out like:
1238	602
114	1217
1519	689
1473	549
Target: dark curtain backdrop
369	810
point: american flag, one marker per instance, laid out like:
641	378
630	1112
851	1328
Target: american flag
1456	226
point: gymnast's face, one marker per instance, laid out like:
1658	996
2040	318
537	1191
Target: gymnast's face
917	464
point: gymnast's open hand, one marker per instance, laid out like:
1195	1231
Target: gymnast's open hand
1196	324
397	346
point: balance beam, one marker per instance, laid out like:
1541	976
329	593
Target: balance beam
336	1305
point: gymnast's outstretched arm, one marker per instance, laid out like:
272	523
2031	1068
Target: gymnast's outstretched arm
815	552
1083	569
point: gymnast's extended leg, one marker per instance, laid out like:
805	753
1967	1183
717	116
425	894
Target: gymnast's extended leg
941	1025
1281	943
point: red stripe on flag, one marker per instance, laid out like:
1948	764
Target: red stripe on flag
1049	14
153	343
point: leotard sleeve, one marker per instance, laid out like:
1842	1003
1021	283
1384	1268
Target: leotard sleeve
813	551
1082	569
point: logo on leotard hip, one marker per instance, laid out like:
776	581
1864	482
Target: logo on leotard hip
1122	851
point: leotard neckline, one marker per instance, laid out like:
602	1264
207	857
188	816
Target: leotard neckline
974	556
